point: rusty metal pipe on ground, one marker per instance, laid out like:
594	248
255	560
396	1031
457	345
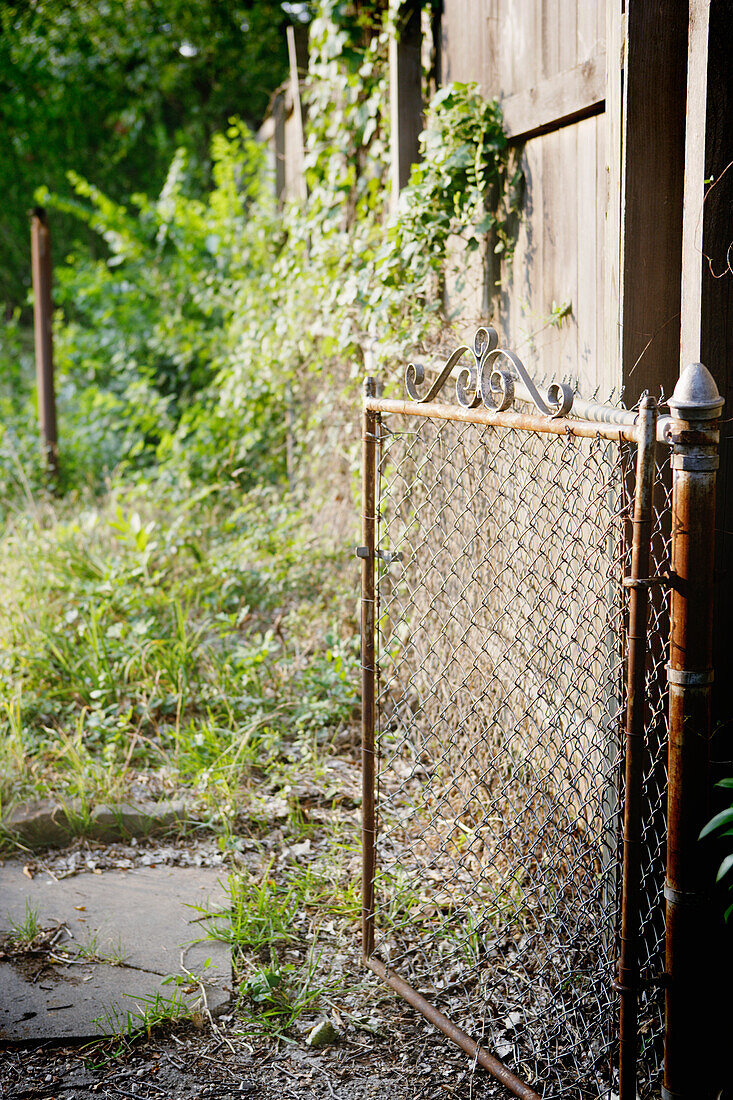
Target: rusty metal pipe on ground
488	1061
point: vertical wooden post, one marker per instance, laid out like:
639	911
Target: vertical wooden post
694	190
405	94
646	54
652	154
300	190
615	53
278	137
695	407
42	319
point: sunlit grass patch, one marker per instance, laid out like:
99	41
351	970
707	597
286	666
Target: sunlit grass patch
183	643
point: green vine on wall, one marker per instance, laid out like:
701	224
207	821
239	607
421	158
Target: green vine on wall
463	185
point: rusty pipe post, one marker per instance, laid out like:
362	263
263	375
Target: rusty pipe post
638	584
42	324
370	427
695	407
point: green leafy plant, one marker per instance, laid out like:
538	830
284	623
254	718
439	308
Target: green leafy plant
722	826
23	933
181	616
259	915
111	91
281	994
204	341
94	949
460	185
151	1010
141	335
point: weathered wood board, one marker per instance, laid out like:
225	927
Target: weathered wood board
546	64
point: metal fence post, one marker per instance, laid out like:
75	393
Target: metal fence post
695	407
638	583
42	322
370	422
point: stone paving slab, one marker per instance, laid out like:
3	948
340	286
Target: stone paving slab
146	917
43	823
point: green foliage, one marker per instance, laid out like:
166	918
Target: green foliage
23	933
347	147
150	1012
721	826
265	915
182	617
197	636
280	994
141	335
20	454
210	336
364	279
260	914
210	360
206	373
111	89
459	186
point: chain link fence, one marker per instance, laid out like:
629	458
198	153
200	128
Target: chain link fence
500	625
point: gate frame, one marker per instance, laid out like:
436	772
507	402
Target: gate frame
696	406
691	429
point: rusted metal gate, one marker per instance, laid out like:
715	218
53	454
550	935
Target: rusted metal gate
523	706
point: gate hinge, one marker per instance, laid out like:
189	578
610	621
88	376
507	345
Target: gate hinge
685	897
664	580
384	555
656	981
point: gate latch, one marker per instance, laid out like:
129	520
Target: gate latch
385	555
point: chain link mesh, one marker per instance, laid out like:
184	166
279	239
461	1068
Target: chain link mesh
500	698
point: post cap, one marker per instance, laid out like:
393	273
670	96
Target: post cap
696	395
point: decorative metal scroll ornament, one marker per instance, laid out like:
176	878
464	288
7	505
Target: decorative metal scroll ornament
489	379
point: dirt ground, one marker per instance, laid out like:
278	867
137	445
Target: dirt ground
381	1047
405	1060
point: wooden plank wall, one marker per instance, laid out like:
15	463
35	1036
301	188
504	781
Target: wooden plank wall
707	329
545	62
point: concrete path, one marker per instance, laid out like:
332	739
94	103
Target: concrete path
135	928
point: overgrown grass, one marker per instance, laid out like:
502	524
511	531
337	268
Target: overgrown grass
151	1010
23	933
279	924
159	644
169	643
196	633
